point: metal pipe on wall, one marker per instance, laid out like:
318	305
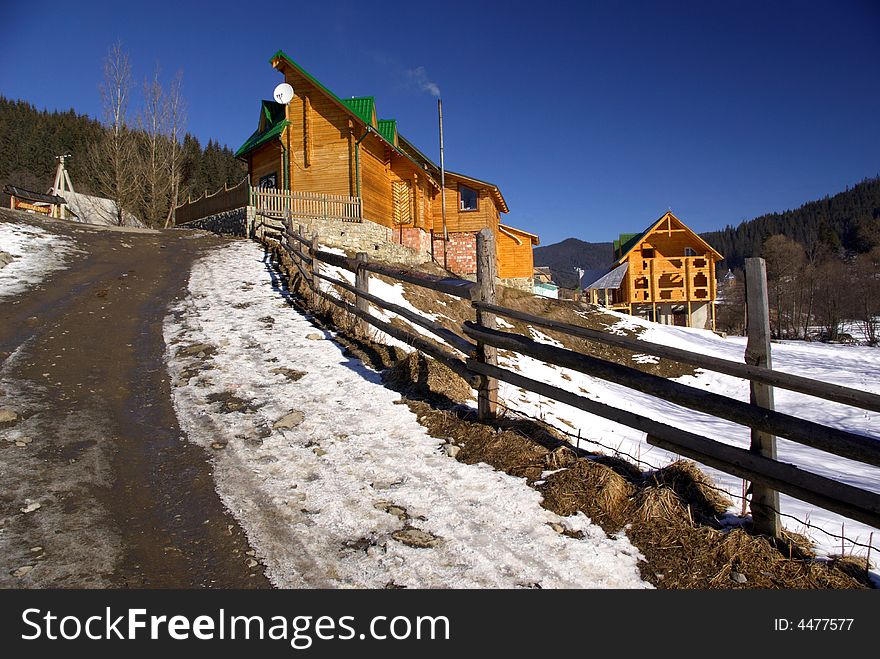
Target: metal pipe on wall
442	186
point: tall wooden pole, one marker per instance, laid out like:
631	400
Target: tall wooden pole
765	501
487	394
362	283
443	185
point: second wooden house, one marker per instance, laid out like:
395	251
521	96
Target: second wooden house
324	144
666	274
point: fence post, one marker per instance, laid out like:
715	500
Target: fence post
314	253
299	246
487	394
765	501
362	283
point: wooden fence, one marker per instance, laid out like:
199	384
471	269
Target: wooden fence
306	205
473	356
225	199
272	203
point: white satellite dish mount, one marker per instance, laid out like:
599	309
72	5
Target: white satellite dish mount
283	93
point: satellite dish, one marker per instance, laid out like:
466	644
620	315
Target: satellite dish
283	93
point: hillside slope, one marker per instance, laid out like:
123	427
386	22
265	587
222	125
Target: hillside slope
849	220
562	258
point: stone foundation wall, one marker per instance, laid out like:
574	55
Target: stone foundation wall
235	222
521	283
379	242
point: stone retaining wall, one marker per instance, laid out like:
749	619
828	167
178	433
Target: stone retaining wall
234	222
377	241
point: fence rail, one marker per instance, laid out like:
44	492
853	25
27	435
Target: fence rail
479	367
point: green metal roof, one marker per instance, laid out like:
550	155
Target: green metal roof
627	241
363	106
388	129
272	123
272	113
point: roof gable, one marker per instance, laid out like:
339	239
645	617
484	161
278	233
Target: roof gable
363	108
627	242
502	203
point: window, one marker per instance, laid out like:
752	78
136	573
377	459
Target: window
689	251
269	181
467	198
647	252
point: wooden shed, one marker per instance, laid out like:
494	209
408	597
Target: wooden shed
325	144
34	202
665	273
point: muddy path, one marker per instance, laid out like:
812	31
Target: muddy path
98	485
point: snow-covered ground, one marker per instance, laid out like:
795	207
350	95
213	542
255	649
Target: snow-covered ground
36	253
852	366
338	498
848	365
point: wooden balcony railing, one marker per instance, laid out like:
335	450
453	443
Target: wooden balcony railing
671	279
272	203
306	205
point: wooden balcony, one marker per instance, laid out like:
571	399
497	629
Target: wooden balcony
306	205
661	280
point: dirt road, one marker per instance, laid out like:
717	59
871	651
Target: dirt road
98	486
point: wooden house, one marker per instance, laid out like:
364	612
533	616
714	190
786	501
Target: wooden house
34	202
665	274
543	283
322	143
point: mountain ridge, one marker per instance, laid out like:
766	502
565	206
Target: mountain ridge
847	221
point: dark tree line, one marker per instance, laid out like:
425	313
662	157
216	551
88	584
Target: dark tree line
822	292
823	267
848	221
31	138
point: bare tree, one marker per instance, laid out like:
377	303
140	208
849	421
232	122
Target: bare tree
865	294
785	262
731	304
176	115
832	296
115	157
154	122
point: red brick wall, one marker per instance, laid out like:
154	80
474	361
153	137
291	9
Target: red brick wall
462	259
414	238
462	254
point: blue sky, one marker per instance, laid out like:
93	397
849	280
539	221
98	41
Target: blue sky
593	118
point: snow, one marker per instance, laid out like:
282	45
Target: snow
540	337
96	210
313	499
36	253
850	366
393	293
